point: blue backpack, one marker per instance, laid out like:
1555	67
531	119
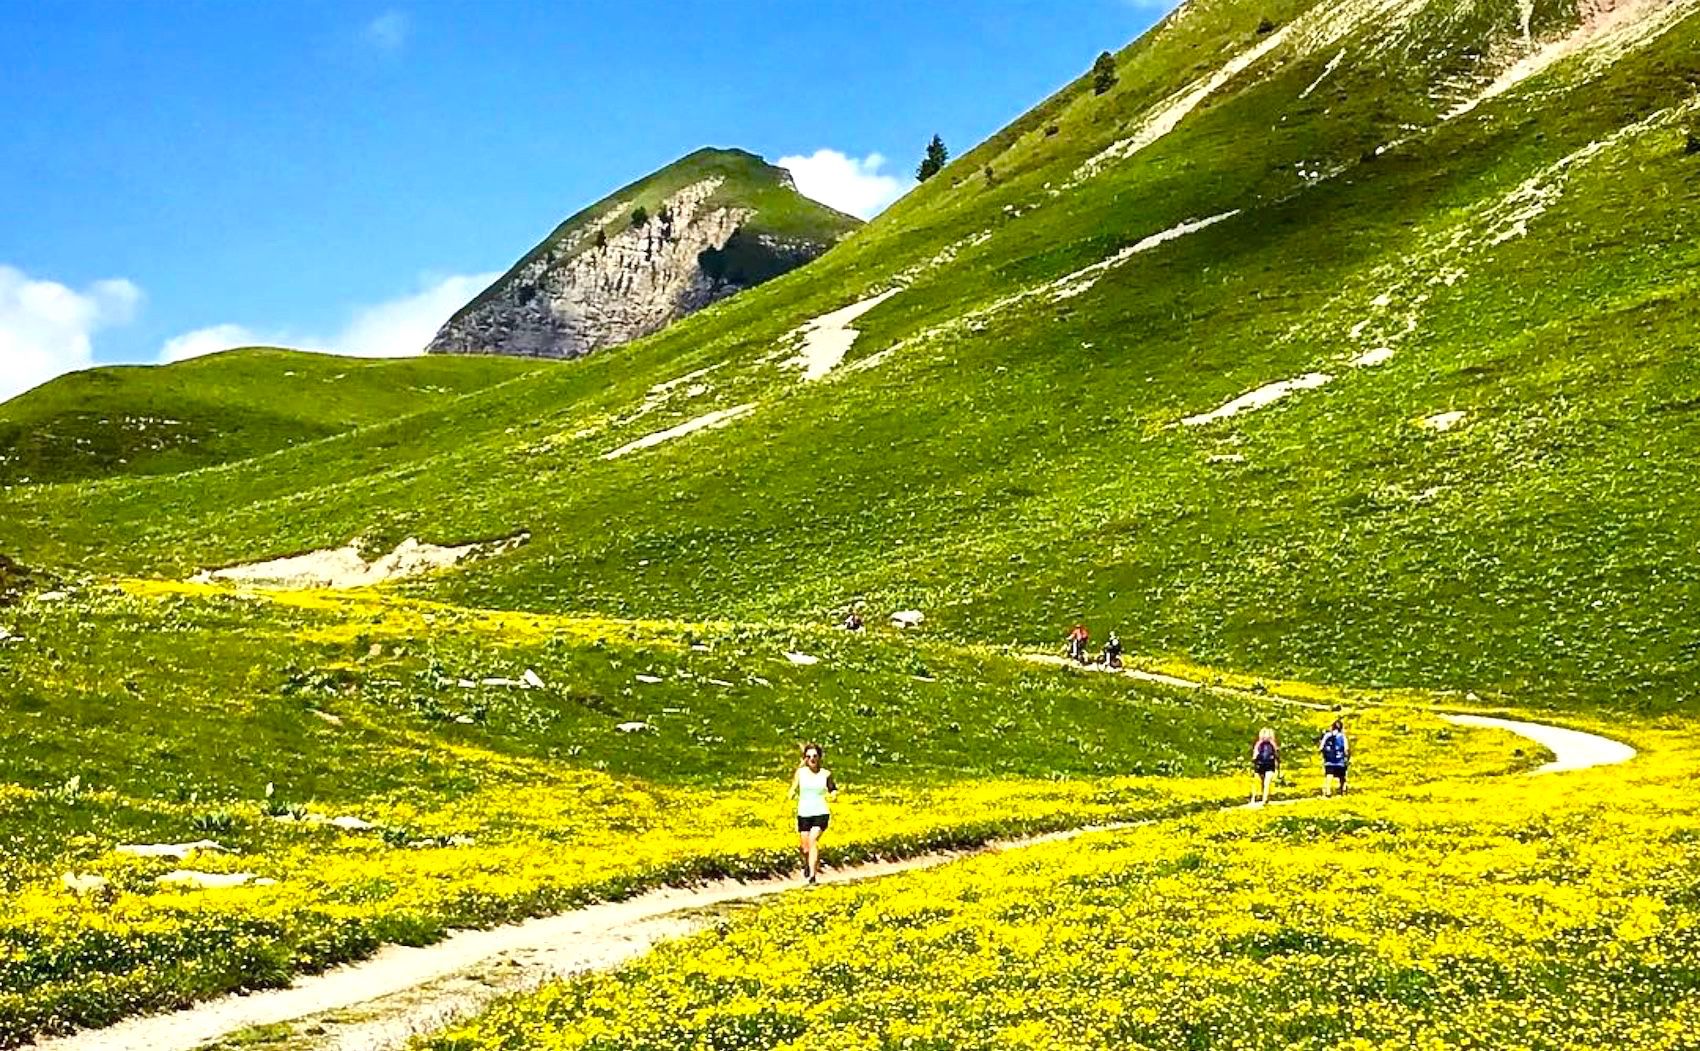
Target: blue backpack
1334	748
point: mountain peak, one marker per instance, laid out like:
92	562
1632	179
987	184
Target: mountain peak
708	225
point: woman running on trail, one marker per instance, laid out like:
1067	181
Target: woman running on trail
1336	753
812	786
1265	760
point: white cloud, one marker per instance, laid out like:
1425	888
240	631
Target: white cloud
208	340
403	326
389	31
391	329
47	328
843	182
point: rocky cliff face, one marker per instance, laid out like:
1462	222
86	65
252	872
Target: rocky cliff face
625	274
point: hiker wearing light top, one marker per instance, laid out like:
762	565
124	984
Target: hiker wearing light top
812	786
1336	753
1265	760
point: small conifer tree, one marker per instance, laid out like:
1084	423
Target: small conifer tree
1103	73
934	161
640	215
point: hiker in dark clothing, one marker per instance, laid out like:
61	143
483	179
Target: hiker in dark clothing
1336	753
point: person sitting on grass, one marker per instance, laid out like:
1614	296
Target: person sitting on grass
812	786
1265	760
1336	753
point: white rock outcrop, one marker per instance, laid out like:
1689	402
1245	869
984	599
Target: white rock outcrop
579	294
346	567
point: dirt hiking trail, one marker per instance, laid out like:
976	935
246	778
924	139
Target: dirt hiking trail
380	1003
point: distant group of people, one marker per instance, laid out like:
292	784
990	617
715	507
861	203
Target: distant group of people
1336	756
814	788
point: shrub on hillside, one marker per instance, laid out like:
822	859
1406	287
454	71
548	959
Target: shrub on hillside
934	161
640	216
1103	73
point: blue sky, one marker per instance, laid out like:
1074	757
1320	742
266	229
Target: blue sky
180	174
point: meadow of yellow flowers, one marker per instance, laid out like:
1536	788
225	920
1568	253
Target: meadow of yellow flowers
1504	912
484	804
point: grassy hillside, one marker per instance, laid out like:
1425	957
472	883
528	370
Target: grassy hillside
1015	460
126	420
1475	289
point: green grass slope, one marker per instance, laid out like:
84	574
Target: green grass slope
1003	447
142	420
1478	482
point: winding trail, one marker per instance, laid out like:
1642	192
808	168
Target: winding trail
1571	749
401	992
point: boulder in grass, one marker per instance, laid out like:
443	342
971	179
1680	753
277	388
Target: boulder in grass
800	658
532	680
907	618
349	823
632	727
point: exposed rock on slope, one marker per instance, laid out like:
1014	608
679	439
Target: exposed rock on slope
709	225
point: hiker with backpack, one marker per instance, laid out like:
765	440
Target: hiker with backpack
1265	761
1336	753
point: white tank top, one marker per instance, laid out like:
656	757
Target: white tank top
811	792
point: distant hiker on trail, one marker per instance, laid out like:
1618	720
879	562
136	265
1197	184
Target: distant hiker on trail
1265	760
1336	753
1113	652
1077	639
812	786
